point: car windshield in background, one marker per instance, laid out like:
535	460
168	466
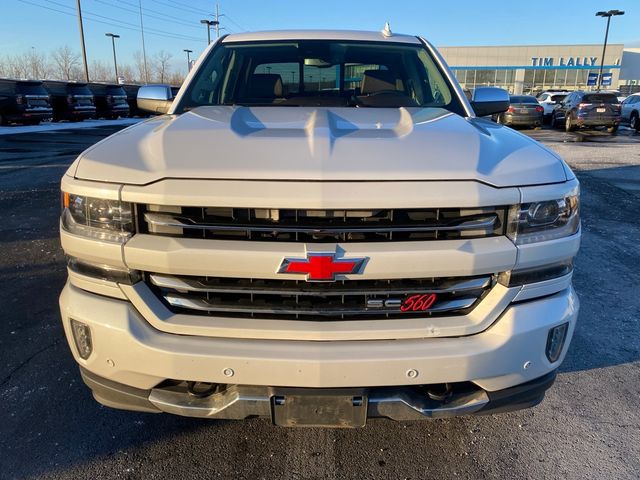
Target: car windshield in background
320	73
30	88
600	98
79	90
523	99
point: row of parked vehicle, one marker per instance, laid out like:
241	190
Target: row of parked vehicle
29	101
573	110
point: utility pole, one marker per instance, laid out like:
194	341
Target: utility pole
188	58
113	44
84	50
607	15
144	50
217	20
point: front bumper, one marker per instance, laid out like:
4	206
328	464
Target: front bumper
240	402
128	350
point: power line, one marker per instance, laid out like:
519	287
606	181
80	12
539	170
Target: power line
185	37
162	18
226	15
182	7
119	25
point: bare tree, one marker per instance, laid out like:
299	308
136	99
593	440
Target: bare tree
139	66
176	78
37	65
66	61
99	71
16	66
126	72
161	65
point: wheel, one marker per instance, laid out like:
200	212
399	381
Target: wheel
613	129
634	123
553	121
568	123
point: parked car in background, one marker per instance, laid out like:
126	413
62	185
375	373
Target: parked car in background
524	110
630	111
548	100
582	109
132	94
70	100
23	101
110	100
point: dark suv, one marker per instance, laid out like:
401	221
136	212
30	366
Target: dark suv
23	101
70	100
110	100
587	109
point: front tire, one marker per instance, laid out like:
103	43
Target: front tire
553	121
634	123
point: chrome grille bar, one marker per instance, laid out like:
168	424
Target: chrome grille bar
203	304
279	288
171	220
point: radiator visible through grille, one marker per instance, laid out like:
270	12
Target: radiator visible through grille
342	300
297	225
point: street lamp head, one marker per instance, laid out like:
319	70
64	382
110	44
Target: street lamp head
610	13
112	35
187	50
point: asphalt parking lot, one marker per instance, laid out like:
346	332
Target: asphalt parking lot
588	426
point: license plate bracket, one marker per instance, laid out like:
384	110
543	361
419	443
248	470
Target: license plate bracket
524	110
332	410
601	110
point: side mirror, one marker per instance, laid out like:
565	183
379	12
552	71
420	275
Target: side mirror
155	98
489	100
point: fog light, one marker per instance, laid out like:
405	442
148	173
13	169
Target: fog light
555	341
82	337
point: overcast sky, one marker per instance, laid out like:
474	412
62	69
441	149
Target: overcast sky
174	25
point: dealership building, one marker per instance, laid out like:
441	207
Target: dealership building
534	68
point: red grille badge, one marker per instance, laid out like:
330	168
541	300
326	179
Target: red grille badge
322	267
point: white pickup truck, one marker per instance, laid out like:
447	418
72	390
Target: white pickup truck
319	230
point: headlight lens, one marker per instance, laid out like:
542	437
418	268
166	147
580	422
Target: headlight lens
547	220
97	218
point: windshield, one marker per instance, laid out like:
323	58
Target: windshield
524	99
600	98
320	73
30	88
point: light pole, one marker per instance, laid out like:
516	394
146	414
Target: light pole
188	58
113	44
209	24
607	15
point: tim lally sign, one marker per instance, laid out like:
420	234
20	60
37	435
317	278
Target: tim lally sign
564	62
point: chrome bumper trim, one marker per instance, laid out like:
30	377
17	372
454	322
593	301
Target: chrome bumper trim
239	402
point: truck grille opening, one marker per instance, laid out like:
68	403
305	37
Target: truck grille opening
300	225
300	300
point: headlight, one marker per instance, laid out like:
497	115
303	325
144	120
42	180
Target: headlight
547	220
97	218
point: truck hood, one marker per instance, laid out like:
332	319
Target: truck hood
321	144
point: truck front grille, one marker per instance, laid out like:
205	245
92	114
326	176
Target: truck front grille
296	225
294	299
